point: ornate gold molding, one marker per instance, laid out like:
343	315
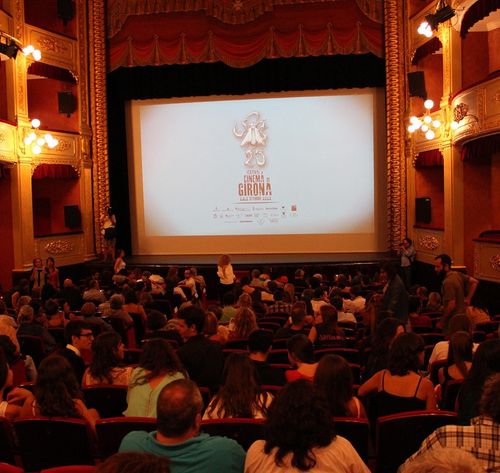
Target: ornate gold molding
495	262
395	105
60	247
429	242
97	68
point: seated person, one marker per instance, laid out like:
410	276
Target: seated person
28	326
327	333
298	324
157	326
116	311
55	318
259	345
301	356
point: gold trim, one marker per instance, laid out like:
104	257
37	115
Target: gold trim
428	242
395	102
59	247
495	262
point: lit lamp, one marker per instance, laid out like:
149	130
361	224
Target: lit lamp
37	141
426	125
443	13
9	46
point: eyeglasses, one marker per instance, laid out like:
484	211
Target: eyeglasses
86	334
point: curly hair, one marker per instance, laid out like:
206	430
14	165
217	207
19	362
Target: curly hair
240	395
133	462
244	322
490	400
297	422
56	388
157	358
333	381
404	354
105	356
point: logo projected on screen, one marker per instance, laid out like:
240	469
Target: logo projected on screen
252	133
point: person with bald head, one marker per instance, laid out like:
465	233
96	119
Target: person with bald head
71	294
178	435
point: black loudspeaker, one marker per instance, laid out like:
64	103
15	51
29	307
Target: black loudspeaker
66	102
416	84
72	216
423	210
65	10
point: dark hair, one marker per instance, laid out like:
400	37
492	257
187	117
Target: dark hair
390	269
4	369
404	354
9	350
158	357
301	348
414	304
51	307
460	351
490	400
193	315
319	292
459	323
178	405
384	334
408	240
74	329
298	315
445	259
229	298
330	318
156	320
297	422
105	358
337	302
333	380
259	341
134	462
56	388
130	296
240	394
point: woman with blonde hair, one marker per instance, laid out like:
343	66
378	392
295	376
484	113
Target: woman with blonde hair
226	275
243	323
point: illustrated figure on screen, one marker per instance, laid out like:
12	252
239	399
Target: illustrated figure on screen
252	132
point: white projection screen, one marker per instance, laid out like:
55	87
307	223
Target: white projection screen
281	173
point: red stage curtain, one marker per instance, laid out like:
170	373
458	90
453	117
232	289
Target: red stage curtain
430	158
481	149
55	171
479	10
323	28
426	49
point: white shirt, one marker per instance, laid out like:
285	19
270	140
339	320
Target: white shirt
440	351
338	457
226	274
355	306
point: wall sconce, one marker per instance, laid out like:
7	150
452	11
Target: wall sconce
37	141
443	13
427	125
10	47
459	113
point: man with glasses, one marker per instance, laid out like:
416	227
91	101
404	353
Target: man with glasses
79	336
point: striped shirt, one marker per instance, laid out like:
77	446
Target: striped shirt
481	439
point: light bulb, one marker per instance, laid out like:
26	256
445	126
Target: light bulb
430	135
411	128
40	141
417	124
37	55
27	140
424	128
48	137
436	123
428	32
35	123
413	120
36	149
428	104
32	136
454	125
28	50
54	143
427	119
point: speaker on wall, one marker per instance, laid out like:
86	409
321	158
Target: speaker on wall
416	84
65	10
423	210
66	102
72	216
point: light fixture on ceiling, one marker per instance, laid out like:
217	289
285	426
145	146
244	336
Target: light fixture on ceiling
37	141
426	125
10	46
443	13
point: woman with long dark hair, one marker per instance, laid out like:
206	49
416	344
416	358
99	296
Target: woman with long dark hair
300	436
158	366
240	395
333	381
459	358
301	356
57	393
327	333
107	360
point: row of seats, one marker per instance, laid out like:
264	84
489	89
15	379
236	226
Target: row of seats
39	441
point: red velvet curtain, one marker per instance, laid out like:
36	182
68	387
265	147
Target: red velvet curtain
429	158
55	171
323	28
51	72
426	49
478	10
481	149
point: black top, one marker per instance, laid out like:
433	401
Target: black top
203	360
75	361
269	375
288	332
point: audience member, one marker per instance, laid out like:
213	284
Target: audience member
28	326
131	303
259	345
240	394
333	381
228	307
203	359
298	317
134	463
8	408
55	318
93	293
434	303
459	358
226	275
243	323
320	298
79	336
481	438
213	331
116	311
158	366
327	333
342	316
178	435
88	313
400	387
105	368
71	294
158	327
282	303
395	298
300	436
443	460
356	304
301	356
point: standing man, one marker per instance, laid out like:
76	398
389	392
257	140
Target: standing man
407	253
395	298
457	290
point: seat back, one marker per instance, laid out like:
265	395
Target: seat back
7	443
400	435
110	432
357	431
109	400
45	443
351	355
239	343
279	356
244	431
450	394
32	346
6	468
